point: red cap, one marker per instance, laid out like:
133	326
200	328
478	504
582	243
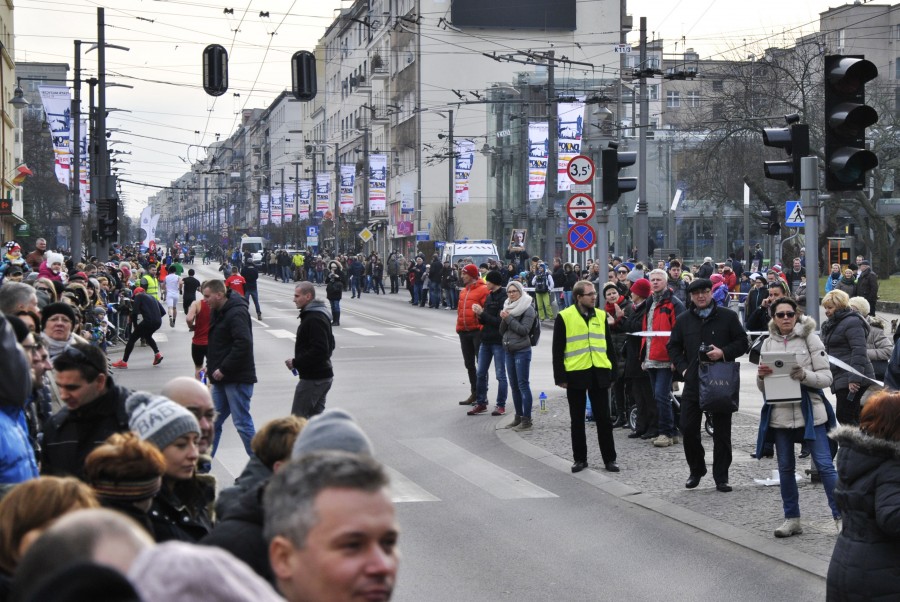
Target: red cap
139	290
80	275
471	270
641	288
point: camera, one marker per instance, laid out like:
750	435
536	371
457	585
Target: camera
704	348
779	364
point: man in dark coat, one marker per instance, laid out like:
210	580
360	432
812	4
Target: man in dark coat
312	352
719	329
146	318
867	285
95	409
251	288
435	270
491	348
230	363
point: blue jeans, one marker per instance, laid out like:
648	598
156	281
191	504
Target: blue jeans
486	353
354	286
233	399
661	381
286	273
434	294
452	297
335	308
518	367
567	298
255	295
821	455
417	293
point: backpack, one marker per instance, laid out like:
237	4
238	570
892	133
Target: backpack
540	285
534	334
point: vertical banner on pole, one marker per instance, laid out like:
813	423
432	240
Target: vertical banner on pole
263	209
465	157
348	179
290	207
571	123
377	182
323	193
537	160
303	203
57	101
276	210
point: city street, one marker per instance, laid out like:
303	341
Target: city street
487	514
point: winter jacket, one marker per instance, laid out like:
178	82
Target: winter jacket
241	533
866	557
334	288
832	281
892	376
514	330
147	313
230	347
616	336
809	350
879	346
250	275
315	342
475	292
17	461
721	328
679	289
435	270
228	502
175	518
848	285
665	311
490	317
70	435
706	270
867	287
633	322
844	335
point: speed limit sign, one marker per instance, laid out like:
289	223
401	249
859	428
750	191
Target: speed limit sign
581	169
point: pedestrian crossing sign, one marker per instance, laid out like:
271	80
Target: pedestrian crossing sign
793	215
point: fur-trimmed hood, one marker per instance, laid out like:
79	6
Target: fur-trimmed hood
853	437
803	328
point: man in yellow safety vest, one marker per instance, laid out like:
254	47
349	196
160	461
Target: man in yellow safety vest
581	367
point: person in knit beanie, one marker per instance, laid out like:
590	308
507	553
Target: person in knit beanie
179	511
332	430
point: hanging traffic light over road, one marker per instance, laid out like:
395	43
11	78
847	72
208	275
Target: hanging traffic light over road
215	70
794	139
846	120
303	75
611	162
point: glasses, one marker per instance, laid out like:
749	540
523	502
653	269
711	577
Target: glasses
42	288
785	314
620	272
33	349
77	354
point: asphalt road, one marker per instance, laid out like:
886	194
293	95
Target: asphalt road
480	520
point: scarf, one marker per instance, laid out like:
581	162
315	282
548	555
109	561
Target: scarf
517	308
55	347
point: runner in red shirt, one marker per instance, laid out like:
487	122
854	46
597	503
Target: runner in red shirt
236	282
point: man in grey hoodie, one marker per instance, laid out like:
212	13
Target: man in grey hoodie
312	352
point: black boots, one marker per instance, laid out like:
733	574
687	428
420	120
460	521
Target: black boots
336	318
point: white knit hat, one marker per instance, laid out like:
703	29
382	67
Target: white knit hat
158	419
54	258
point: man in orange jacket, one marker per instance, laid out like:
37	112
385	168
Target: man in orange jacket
468	327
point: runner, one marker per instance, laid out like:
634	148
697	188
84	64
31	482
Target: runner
170	294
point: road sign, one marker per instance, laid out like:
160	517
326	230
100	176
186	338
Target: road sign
793	215
312	231
580	169
582	237
580	207
366	234
623	48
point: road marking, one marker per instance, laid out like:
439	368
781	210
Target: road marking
281	334
440	331
160	337
260	322
406	331
363	332
497	481
403	489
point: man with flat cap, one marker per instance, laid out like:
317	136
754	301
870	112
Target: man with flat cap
720	330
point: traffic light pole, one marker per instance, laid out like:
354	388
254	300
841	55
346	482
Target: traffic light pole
641	218
809	200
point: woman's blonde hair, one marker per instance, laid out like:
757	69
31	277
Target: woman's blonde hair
837	299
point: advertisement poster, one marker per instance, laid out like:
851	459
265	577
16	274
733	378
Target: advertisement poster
57	101
377	182
537	160
323	193
465	157
348	179
304	200
570	116
263	209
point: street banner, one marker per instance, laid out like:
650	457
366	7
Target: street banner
464	158
407	197
276	209
148	225
537	160
290	207
305	192
323	193
377	182
348	178
263	209
84	168
57	101
570	117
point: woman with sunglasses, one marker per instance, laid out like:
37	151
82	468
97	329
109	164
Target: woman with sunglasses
808	420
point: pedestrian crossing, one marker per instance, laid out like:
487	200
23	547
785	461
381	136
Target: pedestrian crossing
376	330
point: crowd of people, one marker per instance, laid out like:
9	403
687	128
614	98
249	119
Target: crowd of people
116	483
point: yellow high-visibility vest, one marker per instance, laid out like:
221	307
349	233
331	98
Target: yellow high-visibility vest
585	341
152	288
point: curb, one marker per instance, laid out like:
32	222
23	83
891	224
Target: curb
714	527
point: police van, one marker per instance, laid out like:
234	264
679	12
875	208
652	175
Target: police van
462	251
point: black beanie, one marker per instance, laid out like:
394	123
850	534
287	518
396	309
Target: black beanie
57	308
494	278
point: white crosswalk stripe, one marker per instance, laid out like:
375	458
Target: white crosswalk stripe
160	337
404	489
486	475
281	334
363	332
408	331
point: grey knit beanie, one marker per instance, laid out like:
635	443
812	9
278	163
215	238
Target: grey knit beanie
333	430
158	419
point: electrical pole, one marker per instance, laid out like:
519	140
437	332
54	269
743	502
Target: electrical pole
552	186
75	175
809	200
107	191
451	159
641	225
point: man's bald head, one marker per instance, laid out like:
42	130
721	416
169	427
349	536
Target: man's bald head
194	395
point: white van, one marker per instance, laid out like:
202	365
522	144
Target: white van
479	251
253	245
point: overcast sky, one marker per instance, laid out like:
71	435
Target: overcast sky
172	120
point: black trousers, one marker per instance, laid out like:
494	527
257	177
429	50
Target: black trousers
577	399
642	395
847	412
137	333
691	422
470	342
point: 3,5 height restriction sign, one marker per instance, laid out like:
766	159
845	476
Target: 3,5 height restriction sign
580	169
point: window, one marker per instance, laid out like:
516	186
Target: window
897	32
673	99
897	101
717	85
693	98
654	92
897	68
718	111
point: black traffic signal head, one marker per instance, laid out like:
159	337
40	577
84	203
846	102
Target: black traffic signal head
846	119
215	70
611	161
303	75
794	139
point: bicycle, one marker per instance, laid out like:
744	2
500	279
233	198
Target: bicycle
676	410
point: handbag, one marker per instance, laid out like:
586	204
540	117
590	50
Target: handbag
720	384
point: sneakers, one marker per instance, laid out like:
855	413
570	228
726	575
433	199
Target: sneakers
839	525
172	322
478	409
516	422
525	425
120	364
662	441
259	316
790	527
499	411
157	358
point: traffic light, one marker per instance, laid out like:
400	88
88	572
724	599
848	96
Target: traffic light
215	70
303	75
611	161
794	139
846	120
771	225
109	226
